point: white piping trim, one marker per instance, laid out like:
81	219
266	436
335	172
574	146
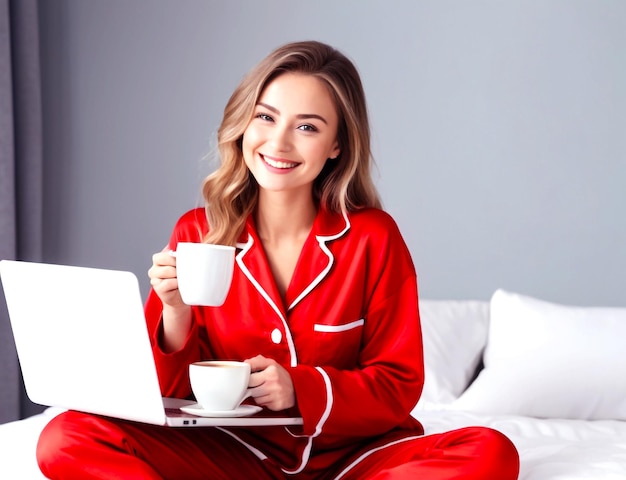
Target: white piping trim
329	401
306	453
259	454
338	328
367	454
331	260
268	299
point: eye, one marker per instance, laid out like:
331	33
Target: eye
265	117
307	128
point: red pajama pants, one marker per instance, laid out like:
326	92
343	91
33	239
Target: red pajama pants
79	446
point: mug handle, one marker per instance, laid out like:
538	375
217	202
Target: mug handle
246	394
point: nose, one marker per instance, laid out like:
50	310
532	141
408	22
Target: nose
280	138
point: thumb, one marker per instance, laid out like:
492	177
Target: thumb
258	363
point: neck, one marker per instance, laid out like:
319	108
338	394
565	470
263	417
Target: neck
282	217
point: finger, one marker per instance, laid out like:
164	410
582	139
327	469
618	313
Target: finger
256	380
163	259
262	400
160	272
265	382
167	285
259	363
271	402
257	392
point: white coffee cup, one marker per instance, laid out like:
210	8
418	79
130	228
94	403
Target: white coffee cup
219	385
205	272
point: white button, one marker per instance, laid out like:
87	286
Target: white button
277	336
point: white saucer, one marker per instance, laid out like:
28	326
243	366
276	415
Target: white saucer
240	411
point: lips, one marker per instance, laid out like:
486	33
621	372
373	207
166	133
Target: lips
280	164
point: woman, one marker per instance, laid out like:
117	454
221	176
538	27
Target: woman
323	306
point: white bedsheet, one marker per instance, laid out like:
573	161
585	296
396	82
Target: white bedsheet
550	449
17	447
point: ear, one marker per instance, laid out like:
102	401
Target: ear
335	152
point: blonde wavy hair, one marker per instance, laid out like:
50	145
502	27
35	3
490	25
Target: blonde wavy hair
343	185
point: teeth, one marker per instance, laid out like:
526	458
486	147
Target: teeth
277	164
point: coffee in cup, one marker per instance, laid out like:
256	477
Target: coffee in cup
205	272
219	385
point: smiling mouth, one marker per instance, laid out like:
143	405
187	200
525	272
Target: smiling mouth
279	163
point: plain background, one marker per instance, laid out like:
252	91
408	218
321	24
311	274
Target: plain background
499	129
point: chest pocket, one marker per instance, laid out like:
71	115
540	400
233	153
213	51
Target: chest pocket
338	345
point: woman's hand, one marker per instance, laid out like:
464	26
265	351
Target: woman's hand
176	314
271	384
163	278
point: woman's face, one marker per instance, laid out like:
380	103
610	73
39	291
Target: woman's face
292	134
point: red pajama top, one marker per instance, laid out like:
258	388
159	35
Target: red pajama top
348	332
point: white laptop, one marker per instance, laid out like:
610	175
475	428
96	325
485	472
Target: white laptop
83	344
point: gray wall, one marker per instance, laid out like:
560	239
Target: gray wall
498	126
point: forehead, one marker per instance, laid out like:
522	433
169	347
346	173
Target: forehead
298	93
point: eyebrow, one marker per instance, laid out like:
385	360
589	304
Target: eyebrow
301	116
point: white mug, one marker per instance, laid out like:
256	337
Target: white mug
205	272
219	385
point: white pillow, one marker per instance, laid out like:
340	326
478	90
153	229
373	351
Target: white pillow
548	360
454	333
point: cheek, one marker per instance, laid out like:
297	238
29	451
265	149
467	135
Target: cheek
248	144
323	152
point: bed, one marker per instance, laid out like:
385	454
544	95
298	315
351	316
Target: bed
549	376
